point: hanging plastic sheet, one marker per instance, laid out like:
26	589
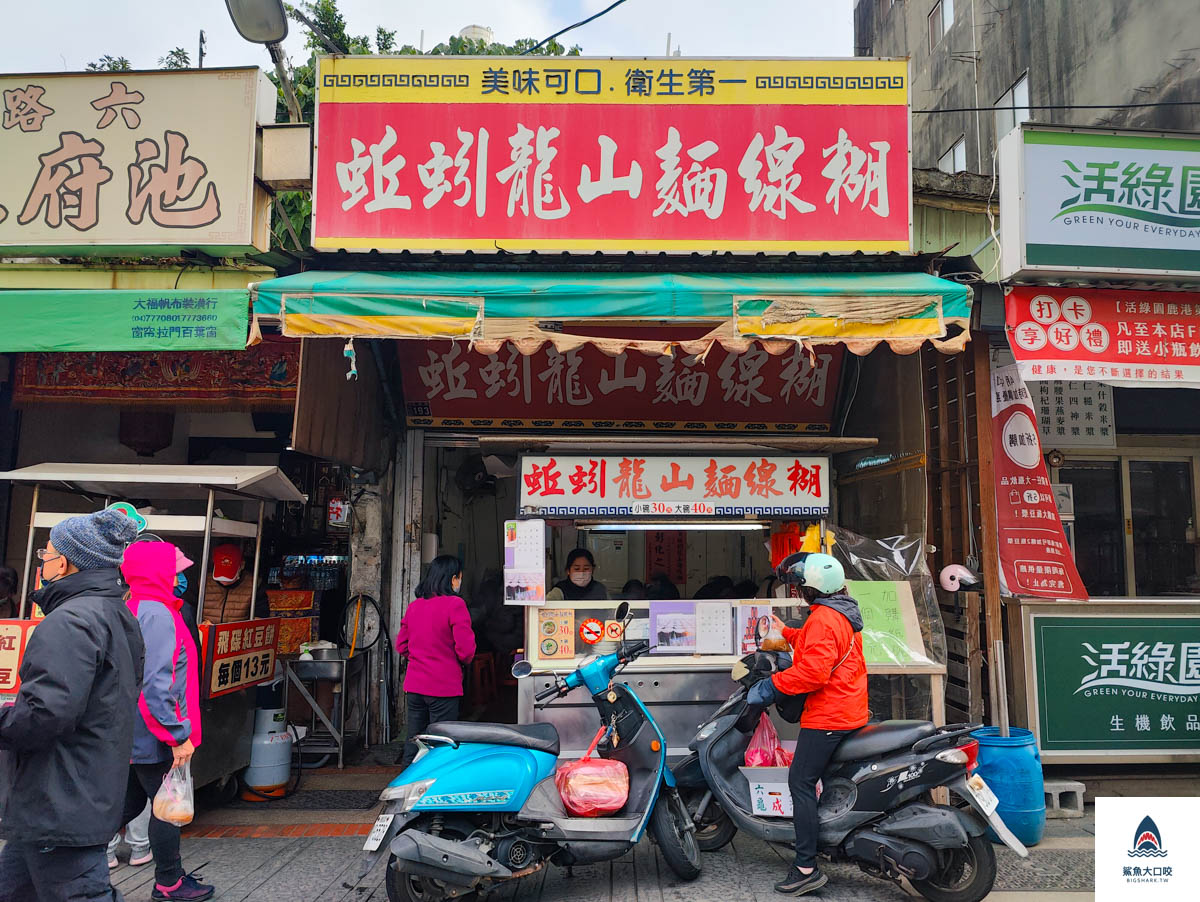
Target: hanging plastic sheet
903	632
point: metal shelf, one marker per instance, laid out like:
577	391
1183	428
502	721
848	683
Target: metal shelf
172	524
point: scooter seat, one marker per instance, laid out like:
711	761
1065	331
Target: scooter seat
541	737
877	739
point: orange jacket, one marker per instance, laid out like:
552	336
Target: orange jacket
837	694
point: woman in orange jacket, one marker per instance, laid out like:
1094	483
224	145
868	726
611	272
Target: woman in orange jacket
828	667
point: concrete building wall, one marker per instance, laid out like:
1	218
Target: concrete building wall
1075	52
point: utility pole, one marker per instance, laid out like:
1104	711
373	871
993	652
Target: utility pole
285	81
203	44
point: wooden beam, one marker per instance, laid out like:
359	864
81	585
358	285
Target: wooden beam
974	658
946	543
988	528
965	515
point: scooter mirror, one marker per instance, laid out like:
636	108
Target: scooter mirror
622	611
522	669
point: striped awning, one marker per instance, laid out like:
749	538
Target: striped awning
530	309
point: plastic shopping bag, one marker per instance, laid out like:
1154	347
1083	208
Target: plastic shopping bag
764	748
773	640
173	802
593	786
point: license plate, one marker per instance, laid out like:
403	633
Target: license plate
983	794
378	832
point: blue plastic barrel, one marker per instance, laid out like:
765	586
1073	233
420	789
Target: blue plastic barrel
1012	768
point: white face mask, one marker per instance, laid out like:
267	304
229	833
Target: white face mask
581	579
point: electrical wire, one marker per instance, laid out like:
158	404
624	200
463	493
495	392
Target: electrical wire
571	28
1064	106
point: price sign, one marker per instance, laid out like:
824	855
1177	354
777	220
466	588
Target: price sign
240	654
591	631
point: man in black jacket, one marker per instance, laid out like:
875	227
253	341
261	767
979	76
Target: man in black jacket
65	743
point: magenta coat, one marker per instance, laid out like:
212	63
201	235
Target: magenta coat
436	636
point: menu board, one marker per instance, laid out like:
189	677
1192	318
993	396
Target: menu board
556	633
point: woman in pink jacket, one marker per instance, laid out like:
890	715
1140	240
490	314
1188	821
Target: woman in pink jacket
436	638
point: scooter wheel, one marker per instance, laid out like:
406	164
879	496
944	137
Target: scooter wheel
967	875
402	887
672	828
716	829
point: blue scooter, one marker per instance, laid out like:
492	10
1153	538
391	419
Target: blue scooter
479	805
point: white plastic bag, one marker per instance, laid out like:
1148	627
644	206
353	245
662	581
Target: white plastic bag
173	802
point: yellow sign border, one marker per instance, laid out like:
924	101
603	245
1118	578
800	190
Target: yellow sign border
461	79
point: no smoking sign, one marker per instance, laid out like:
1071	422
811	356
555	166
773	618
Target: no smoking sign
591	631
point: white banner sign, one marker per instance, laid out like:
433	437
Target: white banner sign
1097	201
675	486
1074	414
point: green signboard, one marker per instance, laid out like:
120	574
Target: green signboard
891	632
119	320
1092	202
1118	683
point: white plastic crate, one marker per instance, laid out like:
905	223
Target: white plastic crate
769	794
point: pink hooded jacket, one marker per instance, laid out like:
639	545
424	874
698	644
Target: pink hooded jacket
170	699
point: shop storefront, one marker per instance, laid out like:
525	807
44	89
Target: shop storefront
1102	652
724	374
131	379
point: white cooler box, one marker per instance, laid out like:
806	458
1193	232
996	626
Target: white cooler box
769	793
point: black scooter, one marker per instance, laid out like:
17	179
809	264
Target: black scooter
876	807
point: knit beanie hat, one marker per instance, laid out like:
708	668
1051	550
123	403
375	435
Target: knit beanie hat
94	541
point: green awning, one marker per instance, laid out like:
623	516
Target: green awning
124	320
849	307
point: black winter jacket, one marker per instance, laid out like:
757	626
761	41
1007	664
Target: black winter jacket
65	743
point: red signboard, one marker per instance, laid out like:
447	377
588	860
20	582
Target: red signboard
454	154
1131	338
14	637
240	654
448	385
666	553
1035	558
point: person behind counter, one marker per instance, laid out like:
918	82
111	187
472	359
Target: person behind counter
9	608
436	638
579	584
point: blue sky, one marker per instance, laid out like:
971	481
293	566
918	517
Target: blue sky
67	34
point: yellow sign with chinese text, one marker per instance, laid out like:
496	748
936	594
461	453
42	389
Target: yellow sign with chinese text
121	161
636	81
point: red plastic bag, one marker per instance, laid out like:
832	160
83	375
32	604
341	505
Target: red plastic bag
764	749
593	786
783	758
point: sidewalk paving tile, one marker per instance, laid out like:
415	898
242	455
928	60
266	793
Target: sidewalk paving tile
312	868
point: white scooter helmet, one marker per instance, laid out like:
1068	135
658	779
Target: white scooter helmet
821	574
